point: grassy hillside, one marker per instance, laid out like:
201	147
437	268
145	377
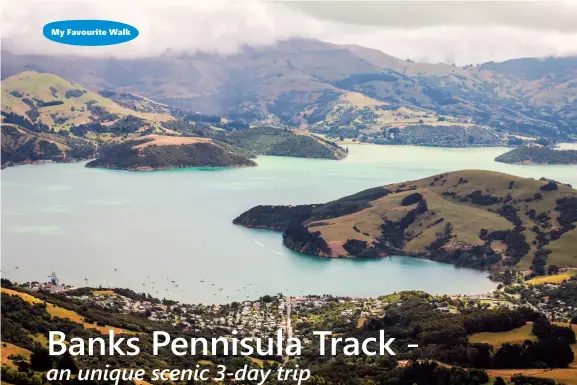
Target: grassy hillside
48	99
48	118
45	117
473	218
165	152
496	339
519	336
353	114
61	312
274	141
538	155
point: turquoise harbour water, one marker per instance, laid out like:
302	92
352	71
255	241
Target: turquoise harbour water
176	225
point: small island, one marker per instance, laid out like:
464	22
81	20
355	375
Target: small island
538	155
155	152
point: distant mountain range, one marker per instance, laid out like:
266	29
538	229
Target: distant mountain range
345	90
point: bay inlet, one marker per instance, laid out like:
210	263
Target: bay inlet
169	233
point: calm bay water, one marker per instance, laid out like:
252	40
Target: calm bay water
158	227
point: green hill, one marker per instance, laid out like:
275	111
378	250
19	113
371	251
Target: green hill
166	152
20	145
472	218
45	117
47	99
275	141
538	155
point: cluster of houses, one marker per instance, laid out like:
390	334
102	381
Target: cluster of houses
53	285
263	318
248	317
554	309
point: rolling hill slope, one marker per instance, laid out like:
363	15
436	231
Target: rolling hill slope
45	117
153	152
273	141
307	83
472	218
47	99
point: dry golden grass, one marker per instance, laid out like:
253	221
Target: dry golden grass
26	297
467	221
367	220
104	292
519	335
74	109
159	140
352	102
142	382
359	100
41	339
515	336
9	350
556	279
444	197
566	376
260	362
257	361
57	311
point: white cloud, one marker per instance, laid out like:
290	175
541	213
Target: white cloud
542	14
223	26
217	25
463	45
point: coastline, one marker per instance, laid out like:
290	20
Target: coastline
380	255
45	161
145	169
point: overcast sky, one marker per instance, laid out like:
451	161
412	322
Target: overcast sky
451	31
